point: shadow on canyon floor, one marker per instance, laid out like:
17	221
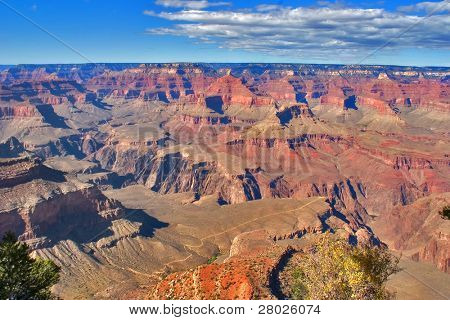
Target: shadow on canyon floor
148	223
51	117
215	103
99	227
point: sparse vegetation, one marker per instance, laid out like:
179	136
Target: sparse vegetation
445	213
213	258
335	270
23	277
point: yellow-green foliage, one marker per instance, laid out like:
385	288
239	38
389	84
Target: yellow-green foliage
213	258
335	270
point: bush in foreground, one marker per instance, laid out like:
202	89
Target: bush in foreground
445	213
335	270
23	277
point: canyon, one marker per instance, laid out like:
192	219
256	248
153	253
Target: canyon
131	177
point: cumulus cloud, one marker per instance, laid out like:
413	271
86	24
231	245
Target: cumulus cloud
308	32
190	4
269	7
441	6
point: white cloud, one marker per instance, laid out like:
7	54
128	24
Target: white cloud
308	32
269	7
190	4
435	7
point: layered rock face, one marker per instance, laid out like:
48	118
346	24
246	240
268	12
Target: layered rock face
252	271
232	92
248	273
19	111
41	203
195	83
21	170
371	140
281	90
386	95
11	148
79	73
147	83
419	230
49	91
436	251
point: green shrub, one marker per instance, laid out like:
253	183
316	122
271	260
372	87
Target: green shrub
23	277
213	258
445	213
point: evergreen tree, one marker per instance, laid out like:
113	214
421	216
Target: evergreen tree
23	277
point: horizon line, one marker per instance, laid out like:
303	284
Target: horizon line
249	63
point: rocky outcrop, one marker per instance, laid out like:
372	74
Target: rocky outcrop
52	91
18	111
406	162
386	95
17	171
43	205
300	111
153	83
247	274
378	105
63	146
205	120
338	101
233	93
418	230
436	251
173	173
251	271
11	148
280	90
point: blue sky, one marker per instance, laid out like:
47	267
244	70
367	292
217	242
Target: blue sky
302	31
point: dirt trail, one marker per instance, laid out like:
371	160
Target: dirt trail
187	247
202	243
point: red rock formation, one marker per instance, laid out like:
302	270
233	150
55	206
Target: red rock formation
280	90
407	162
419	230
333	100
252	271
423	93
22	75
52	92
376	104
170	83
233	92
246	275
55	205
437	251
18	111
382	94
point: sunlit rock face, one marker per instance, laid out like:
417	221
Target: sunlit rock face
192	148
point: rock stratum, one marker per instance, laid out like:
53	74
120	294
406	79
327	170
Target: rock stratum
132	176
